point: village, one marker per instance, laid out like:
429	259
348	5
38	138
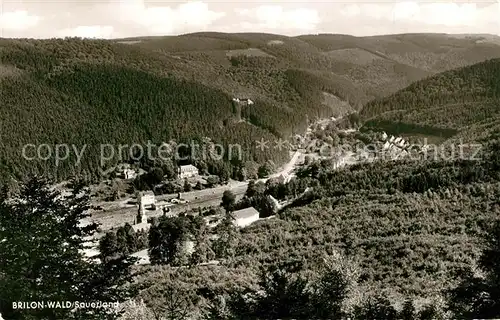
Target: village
138	209
191	192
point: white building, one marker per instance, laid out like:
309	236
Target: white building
145	200
143	257
402	143
187	171
141	226
243	101
384	136
188	247
245	217
129	174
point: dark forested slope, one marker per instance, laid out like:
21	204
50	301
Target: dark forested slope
61	95
464	101
409	229
161	88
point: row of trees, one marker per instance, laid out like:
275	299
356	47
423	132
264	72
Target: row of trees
409	176
163	181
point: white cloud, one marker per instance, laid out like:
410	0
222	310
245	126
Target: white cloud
351	10
128	18
88	32
274	17
453	14
447	14
381	11
165	20
406	10
18	20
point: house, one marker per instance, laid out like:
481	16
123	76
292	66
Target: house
188	247
129	174
142	257
245	217
212	221
402	143
125	171
187	171
141	226
404	154
146	199
384	136
244	101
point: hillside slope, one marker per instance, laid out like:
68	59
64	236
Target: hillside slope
378	65
130	91
94	92
464	101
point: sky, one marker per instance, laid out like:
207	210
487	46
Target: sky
129	18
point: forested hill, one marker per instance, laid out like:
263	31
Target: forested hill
95	92
130	91
460	103
378	65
